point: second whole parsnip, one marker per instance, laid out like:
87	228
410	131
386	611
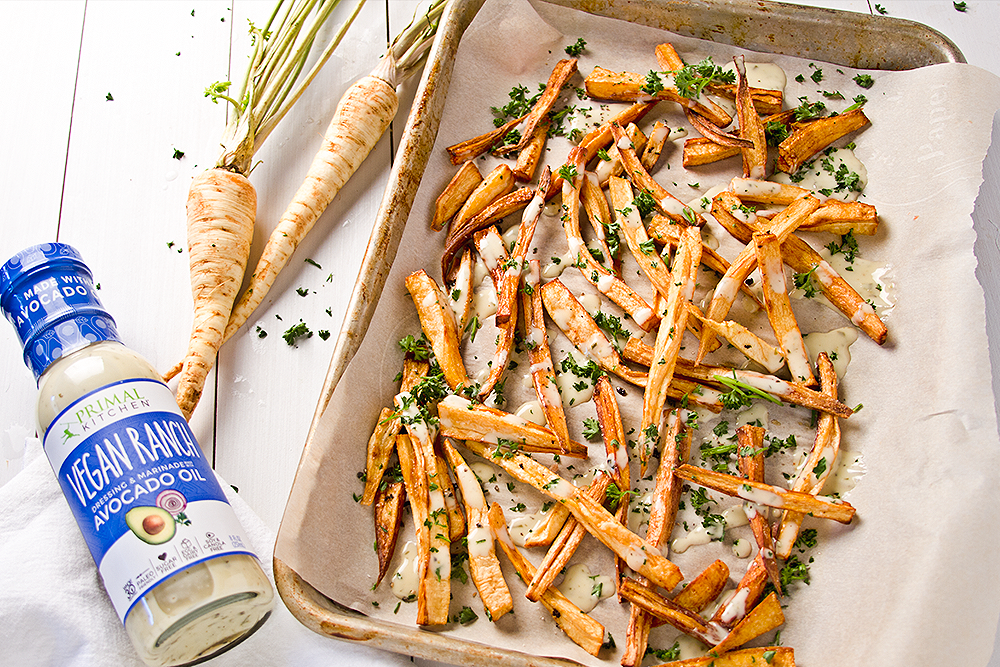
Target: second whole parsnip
361	118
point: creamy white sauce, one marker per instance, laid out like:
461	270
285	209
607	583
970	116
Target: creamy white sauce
872	280
584	589
742	548
735	516
531	411
820	179
480	542
554	269
836	344
574	395
848	472
689	647
522	527
759	496
472	492
590	302
763	75
406	578
486	472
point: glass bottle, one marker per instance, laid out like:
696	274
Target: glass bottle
173	557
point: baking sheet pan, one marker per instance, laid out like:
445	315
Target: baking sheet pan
837	37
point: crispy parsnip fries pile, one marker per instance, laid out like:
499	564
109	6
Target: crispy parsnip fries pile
442	415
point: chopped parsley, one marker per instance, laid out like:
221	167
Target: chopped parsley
864	80
808	110
740	394
178	154
295	332
848	247
574	50
775	132
418	348
591	428
960	6
612	325
692	79
803	281
644	203
653	84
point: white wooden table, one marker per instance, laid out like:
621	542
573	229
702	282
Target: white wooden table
100	94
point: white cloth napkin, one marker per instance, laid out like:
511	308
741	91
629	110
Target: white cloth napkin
53	608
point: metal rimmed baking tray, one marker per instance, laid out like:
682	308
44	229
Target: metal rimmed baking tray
852	40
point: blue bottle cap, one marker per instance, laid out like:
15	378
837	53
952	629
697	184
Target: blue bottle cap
47	293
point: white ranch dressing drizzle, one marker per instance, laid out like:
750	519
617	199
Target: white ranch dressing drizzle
480	542
816	177
848	472
531	411
554	269
522	527
590	302
742	548
405	580
872	280
836	344
584	589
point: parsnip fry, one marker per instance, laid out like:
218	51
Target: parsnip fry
605	84
779	308
561	73
662	513
790	392
434	592
578	626
668	338
646	255
438	323
764	617
750	452
415	482
491	249
605	281
702	150
767	494
492	214
470	149
667	610
704	588
495	185
483	563
595	205
764	656
748	592
654	146
456	518
380	447
819	464
747	342
508	284
455	194
389	501
639	554
462	291
581	329
781	226
530	155
755	157
801	258
666	203
463	420
809	139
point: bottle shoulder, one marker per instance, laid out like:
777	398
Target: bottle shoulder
83	371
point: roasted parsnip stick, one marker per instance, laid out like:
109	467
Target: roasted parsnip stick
455	194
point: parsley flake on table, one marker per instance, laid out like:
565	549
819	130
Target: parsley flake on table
178	154
296	331
880	9
960	6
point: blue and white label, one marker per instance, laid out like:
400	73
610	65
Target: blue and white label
146	500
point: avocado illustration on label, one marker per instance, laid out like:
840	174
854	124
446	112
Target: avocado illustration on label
153	525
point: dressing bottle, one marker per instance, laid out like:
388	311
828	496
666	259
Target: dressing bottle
174	558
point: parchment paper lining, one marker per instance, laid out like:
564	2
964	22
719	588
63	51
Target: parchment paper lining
914	579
